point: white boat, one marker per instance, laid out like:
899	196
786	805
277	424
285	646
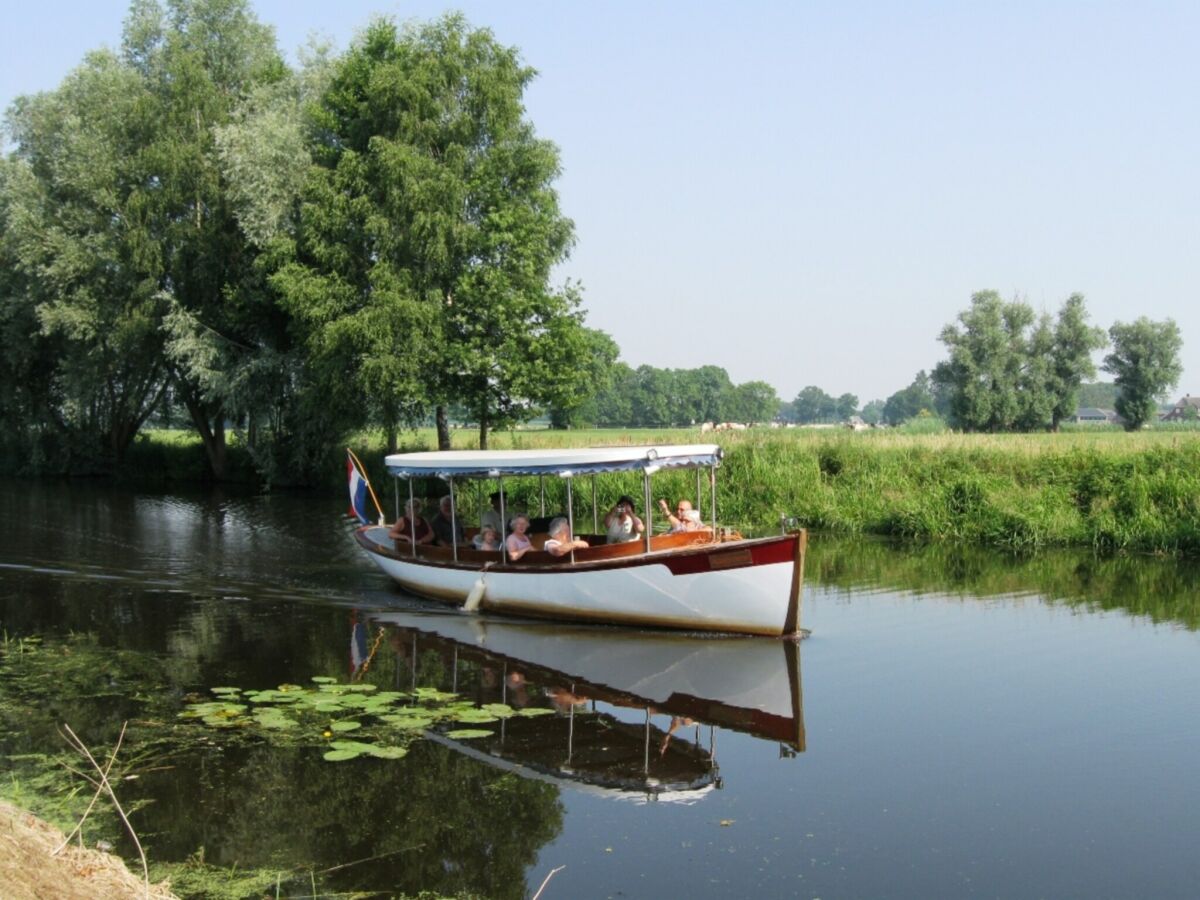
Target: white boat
709	579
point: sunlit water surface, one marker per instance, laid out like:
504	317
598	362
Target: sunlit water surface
962	723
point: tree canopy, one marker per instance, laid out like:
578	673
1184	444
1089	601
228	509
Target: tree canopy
1145	364
1011	370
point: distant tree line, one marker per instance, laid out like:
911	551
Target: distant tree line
649	397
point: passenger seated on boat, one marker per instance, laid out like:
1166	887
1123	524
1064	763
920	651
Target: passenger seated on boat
518	543
487	539
410	523
621	524
684	518
447	529
560	542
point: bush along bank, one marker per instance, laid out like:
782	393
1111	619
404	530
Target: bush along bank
1020	495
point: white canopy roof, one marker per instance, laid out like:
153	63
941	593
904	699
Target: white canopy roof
564	463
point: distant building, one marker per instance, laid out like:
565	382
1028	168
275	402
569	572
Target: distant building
856	423
1179	412
1091	415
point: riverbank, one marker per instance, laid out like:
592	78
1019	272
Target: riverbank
1107	490
30	869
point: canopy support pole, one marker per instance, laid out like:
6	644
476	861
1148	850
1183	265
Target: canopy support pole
412	525
712	482
595	509
649	514
542	495
453	525
503	523
570	516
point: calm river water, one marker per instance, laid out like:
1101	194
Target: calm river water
959	723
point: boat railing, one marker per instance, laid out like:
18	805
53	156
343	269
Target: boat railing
469	556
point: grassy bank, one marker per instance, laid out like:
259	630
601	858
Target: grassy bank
1104	489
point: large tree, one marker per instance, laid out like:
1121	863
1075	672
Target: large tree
428	230
1145	365
1073	344
199	60
85	257
1011	370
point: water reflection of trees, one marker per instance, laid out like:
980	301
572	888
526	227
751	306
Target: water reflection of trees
1165	590
438	821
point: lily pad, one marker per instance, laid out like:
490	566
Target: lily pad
357	746
345	725
388	752
500	710
327	707
468	733
340	755
323	679
531	711
407	723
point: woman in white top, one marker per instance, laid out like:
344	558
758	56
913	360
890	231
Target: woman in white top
621	524
560	542
518	543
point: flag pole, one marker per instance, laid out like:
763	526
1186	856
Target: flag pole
363	472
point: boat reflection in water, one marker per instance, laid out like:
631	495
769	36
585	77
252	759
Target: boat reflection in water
636	714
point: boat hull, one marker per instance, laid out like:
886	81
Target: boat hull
745	587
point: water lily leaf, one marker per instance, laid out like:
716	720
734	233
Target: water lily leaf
323	679
334	688
388	752
428	693
278	724
535	711
360	746
390	696
285	688
345	725
468	733
339	755
476	718
408	723
226	690
363	688
327	706
500	710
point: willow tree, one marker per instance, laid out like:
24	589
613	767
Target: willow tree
427	231
79	240
198	61
1145	363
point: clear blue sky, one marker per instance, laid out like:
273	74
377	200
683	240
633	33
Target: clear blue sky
806	193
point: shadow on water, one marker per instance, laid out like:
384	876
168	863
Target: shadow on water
1163	590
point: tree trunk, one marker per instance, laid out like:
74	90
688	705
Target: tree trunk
483	427
392	439
211	433
443	428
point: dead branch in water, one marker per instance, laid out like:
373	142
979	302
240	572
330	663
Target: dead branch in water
103	785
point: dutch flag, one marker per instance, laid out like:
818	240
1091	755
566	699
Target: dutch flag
358	492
